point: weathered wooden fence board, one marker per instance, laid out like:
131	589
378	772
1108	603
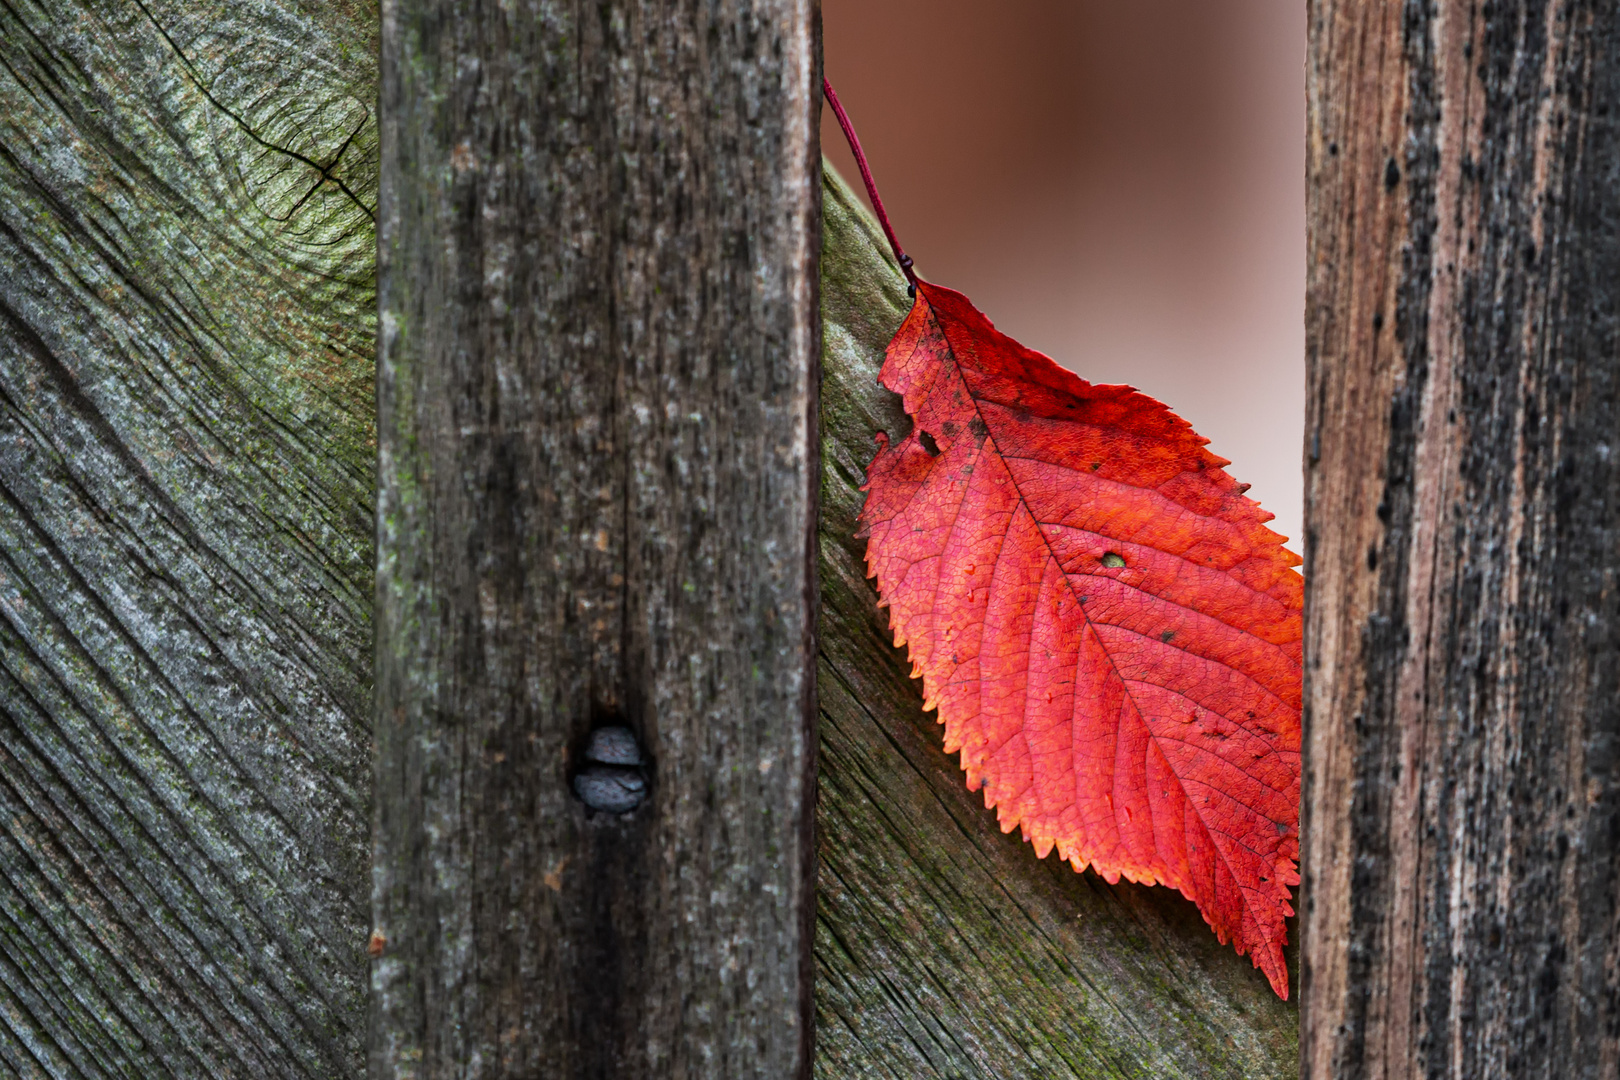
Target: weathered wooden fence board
596	416
186	314
1462	777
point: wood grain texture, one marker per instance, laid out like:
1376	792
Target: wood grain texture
186	476
1462	799
597	384
186	326
944	948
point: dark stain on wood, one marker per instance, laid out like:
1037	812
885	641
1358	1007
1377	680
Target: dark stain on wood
1463	511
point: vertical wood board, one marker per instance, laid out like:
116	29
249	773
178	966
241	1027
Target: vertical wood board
1462	802
597	389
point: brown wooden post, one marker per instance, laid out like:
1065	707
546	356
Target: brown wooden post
597	413
1462	797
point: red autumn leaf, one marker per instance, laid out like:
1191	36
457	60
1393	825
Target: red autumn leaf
1110	633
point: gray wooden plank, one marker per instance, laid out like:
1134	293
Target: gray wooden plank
186	319
597	387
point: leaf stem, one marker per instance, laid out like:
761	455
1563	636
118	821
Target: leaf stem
871	186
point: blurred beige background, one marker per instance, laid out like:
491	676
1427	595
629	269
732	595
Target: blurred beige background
1117	183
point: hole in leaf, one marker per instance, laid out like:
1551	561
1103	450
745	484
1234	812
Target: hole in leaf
1113	558
928	443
